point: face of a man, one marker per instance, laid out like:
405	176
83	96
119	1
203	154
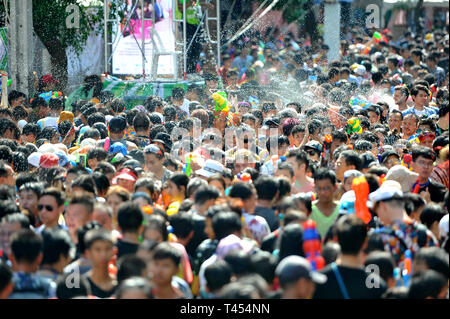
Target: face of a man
395	122
409	126
100	253
391	161
298	138
373	118
163	270
421	98
399	98
341	168
423	167
28	200
49	211
76	216
325	190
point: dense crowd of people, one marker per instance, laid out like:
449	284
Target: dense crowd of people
285	176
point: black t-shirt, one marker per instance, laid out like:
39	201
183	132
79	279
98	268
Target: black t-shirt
355	282
124	248
269	216
98	292
269	242
199	234
436	190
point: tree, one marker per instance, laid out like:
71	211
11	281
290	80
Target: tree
61	24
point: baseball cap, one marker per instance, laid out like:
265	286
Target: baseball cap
388	190
368	160
126	174
292	268
388	153
117	124
360	70
137	155
314	145
352	173
165	140
211	167
65	116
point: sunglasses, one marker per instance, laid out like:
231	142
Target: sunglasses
47	208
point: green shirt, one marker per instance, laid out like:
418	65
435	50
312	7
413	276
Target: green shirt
323	222
191	16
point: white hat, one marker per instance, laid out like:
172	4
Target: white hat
403	176
47	148
88	141
360	70
211	167
443	226
387	190
34	159
22	123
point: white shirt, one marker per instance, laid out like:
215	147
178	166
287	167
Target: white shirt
185	106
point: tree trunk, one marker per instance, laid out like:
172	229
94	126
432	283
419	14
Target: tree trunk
58	56
417	11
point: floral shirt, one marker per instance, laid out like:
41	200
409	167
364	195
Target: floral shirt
402	235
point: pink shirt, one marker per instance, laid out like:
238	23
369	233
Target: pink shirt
308	187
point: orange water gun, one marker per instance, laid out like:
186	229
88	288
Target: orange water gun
361	188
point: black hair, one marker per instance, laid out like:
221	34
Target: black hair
31	128
426	284
129	217
330	252
118	105
432	213
145	182
86	182
170	113
352	158
217	275
135	283
266	187
339	135
415	90
85	199
20	218
64	127
291	241
351	233
54	192
26	245
193	185
95	235
413	202
434	258
14	95
65	291
182	224
241	190
384	261
238	290
129	266
225	223
324	173
263	263
166	251
6	275
55	243
205	193
239	261
422	151
302	158
178	93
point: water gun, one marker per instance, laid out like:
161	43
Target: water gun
378	37
312	245
244	177
50	95
406	161
326	149
407	267
353	126
221	103
187	169
361	188
356	101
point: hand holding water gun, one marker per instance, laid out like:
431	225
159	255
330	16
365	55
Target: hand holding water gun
361	188
378	37
49	95
312	245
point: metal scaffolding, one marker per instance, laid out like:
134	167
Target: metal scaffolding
111	38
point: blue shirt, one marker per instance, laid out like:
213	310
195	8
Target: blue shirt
428	111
